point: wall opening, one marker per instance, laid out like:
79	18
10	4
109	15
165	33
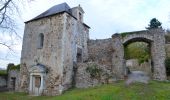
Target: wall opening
37	81
137	55
40	41
13	83
79	55
156	40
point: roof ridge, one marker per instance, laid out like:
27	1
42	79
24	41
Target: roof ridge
53	10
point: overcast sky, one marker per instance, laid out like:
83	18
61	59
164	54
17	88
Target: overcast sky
105	17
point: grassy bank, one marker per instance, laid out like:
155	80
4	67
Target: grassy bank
117	91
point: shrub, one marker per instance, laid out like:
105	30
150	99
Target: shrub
11	66
138	50
3	72
94	71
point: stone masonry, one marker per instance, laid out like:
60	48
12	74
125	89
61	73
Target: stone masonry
58	54
156	39
63	35
13	80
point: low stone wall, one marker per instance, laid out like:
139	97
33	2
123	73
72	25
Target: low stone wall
84	79
3	81
13	80
99	56
134	65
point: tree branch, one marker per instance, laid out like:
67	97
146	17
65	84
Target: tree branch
4	44
5	5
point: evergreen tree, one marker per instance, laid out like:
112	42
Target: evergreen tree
154	23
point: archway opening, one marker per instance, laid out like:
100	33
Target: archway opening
138	56
156	41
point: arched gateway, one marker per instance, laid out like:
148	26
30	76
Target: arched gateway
155	38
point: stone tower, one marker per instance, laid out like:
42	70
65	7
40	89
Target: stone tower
52	43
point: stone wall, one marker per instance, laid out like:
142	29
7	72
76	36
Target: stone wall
66	53
3	81
133	65
158	54
99	55
156	39
100	51
118	61
63	34
13	80
84	79
75	36
50	55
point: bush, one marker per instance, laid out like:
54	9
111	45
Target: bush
3	72
94	71
167	65
138	50
11	66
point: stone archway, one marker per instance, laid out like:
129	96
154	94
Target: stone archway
154	37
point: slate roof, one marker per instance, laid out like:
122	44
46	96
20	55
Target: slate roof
63	7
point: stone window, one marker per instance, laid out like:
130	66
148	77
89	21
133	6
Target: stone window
40	41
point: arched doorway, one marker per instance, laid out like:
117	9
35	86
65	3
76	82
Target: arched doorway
138	55
155	38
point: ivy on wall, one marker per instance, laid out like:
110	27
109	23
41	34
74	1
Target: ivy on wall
11	66
94	71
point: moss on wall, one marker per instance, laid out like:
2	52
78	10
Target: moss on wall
13	67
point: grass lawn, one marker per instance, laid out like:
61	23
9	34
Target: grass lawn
117	91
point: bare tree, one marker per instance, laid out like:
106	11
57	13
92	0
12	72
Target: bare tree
8	10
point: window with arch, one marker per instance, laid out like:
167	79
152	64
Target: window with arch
40	41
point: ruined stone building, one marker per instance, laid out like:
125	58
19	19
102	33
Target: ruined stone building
53	42
9	80
58	54
13	80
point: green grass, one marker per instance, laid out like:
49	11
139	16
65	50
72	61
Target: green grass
117	91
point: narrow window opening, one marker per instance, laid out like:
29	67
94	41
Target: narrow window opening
79	55
40	40
13	83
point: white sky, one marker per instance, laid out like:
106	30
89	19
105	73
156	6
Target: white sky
105	17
